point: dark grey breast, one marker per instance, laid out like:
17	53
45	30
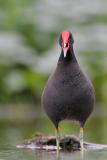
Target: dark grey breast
68	93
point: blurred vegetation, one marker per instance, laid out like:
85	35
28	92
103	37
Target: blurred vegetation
28	32
18	83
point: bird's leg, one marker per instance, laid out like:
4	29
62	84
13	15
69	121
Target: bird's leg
81	140
57	140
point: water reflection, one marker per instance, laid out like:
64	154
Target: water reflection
12	133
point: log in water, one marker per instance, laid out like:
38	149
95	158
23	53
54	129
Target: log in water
67	143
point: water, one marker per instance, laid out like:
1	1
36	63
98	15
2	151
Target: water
26	155
13	133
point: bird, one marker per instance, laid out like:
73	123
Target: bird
68	93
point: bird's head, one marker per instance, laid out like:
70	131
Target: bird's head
66	41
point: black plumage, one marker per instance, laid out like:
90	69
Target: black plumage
68	94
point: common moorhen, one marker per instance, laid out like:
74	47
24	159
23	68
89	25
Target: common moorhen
68	93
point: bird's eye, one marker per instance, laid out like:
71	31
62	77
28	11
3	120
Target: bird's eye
60	41
71	40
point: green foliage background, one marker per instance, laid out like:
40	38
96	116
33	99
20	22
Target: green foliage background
28	31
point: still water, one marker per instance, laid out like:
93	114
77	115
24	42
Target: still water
13	133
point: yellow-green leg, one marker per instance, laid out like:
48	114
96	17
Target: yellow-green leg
81	140
57	140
